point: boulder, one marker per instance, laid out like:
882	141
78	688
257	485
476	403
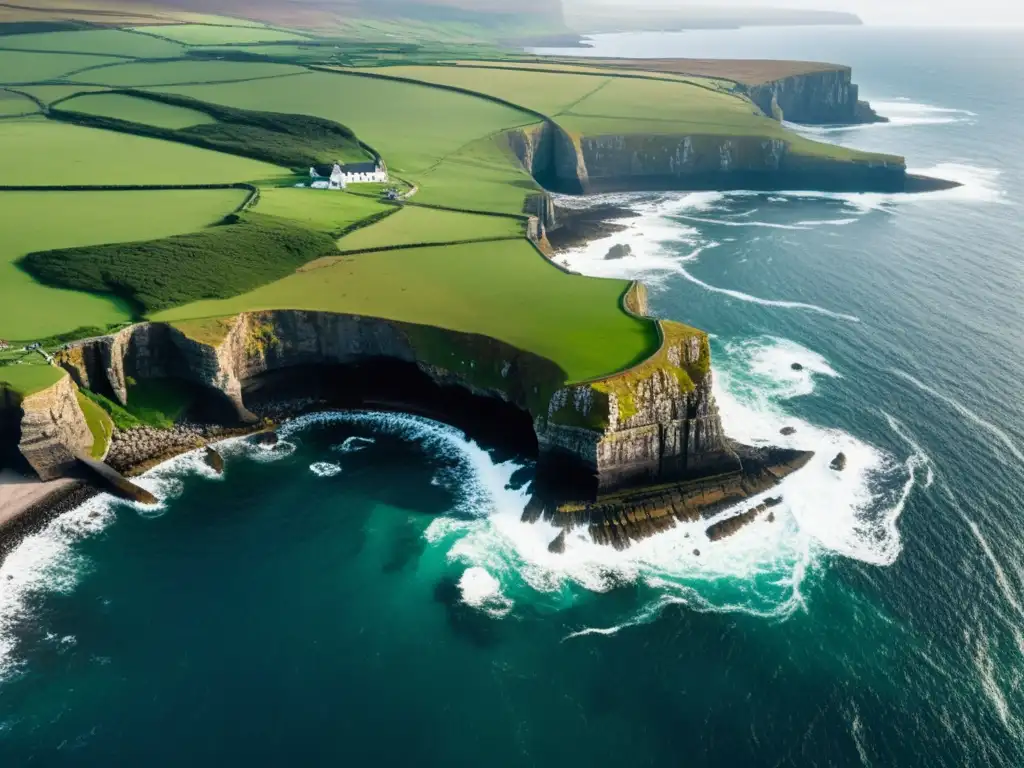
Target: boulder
557	546
839	462
214	460
619	251
797	367
696	552
787	431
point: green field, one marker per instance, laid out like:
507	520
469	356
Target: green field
136	110
137	74
425	134
38	221
206	34
110	42
54	154
100	425
27	67
30	377
585	105
556	65
327	211
504	290
685	106
546	93
15	104
51	93
414	225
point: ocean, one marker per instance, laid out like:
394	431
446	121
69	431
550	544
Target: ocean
364	593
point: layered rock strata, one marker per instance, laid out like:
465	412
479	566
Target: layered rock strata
625	517
645	447
53	430
592	164
827	97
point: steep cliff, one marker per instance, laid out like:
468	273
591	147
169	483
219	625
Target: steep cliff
817	98
645	162
602	445
53	430
655	421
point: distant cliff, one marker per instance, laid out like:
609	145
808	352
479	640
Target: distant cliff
827	97
646	162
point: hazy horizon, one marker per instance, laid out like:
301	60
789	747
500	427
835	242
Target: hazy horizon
876	12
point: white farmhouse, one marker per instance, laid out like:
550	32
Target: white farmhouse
355	173
362	173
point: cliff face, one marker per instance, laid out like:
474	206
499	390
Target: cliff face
638	162
626	456
53	429
655	422
818	98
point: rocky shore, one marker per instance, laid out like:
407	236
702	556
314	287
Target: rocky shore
134	452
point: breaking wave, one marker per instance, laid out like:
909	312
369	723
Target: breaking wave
49	561
325	469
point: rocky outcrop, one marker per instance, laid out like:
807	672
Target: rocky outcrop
644	447
733	525
655	423
625	517
619	251
827	97
53	430
649	162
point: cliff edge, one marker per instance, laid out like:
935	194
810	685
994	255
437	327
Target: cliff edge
601	445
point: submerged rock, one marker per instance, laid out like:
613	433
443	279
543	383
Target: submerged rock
214	460
557	546
797	367
266	439
787	431
839	462
619	251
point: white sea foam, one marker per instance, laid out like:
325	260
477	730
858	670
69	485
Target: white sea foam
48	562
902	113
762	224
854	512
354	444
325	469
44	562
655	239
481	590
971	416
741	296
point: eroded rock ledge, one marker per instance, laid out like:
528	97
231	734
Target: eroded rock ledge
625	456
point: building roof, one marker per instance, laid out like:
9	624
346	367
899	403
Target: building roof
370	167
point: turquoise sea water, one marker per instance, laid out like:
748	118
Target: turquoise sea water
365	594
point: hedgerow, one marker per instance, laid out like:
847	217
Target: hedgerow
241	254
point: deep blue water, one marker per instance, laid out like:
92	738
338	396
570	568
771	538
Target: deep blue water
376	601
